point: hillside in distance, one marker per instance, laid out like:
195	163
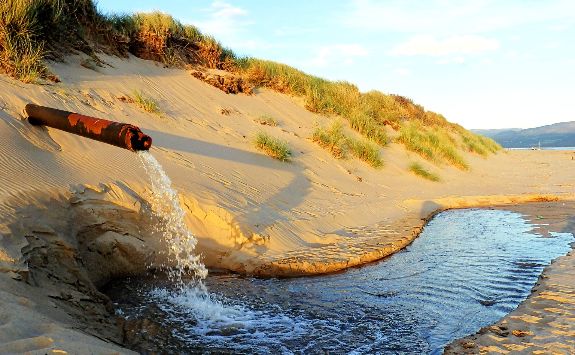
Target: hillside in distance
555	135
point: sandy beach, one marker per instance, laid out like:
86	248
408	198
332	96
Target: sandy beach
72	210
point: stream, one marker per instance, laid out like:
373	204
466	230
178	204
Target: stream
467	269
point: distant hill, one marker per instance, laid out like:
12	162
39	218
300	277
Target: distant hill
554	135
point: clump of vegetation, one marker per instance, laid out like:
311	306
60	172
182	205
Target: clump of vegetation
431	143
369	127
340	145
21	49
333	139
370	113
321	96
366	151
332	97
273	147
34	30
148	104
158	36
267	120
419	170
478	144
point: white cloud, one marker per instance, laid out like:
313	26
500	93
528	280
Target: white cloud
230	24
338	54
445	16
431	46
223	19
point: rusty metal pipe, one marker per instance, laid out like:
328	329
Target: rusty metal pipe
122	135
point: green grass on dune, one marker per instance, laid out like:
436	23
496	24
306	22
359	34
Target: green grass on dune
366	151
432	144
32	31
273	147
333	139
419	170
148	104
23	37
478	144
340	145
327	97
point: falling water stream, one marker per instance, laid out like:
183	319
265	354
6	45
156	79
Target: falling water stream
467	269
171	223
187	277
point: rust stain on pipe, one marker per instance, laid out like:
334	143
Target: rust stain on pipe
122	135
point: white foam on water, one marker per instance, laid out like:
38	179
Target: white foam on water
171	224
229	325
189	303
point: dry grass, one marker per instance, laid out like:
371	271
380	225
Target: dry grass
419	170
21	53
273	147
148	104
158	36
32	30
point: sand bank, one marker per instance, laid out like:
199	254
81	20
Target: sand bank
72	211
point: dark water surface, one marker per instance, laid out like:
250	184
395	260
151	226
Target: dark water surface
467	269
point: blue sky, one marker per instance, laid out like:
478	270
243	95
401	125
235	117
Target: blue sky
481	63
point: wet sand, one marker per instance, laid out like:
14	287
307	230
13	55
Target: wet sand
545	322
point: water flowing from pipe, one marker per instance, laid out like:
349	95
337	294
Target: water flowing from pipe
171	225
205	313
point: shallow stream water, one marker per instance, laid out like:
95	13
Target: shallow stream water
467	269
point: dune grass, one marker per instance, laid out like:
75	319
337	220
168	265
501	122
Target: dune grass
368	127
366	151
334	139
148	104
478	144
21	52
432	144
419	170
274	147
425	132
33	30
158	36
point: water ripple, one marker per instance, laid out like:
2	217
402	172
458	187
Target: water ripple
467	269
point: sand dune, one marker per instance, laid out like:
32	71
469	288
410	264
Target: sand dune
251	214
